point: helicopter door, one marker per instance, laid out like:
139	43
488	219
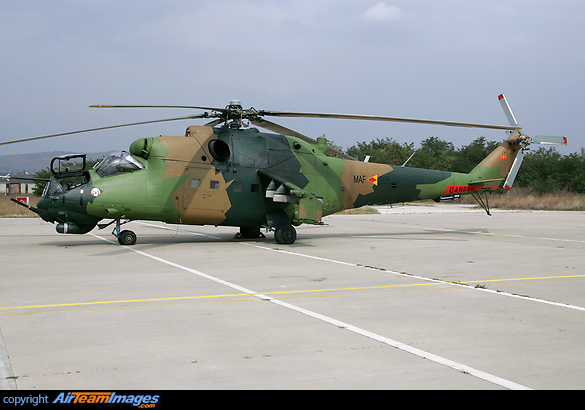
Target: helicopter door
204	198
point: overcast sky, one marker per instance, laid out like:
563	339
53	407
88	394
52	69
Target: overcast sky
443	60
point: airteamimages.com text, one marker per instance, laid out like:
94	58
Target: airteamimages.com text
81	398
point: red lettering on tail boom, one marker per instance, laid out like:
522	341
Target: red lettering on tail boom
461	189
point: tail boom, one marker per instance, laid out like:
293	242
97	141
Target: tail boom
369	183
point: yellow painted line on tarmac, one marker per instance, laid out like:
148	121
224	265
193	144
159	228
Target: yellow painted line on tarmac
109	302
209	296
118	301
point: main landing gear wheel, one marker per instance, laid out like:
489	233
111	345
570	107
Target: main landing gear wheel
127	238
285	234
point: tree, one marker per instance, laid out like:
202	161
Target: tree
539	171
468	156
386	151
40	185
572	166
434	154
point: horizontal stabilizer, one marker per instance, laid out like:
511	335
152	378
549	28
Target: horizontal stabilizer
484	181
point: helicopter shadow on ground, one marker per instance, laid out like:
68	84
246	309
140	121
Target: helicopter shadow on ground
109	246
422	235
305	239
310	238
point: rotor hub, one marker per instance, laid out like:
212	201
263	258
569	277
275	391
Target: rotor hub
524	140
235	104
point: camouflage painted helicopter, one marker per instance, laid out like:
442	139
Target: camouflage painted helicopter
226	173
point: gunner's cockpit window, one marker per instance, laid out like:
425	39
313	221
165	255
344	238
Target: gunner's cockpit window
118	163
53	188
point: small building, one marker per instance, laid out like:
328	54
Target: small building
13	185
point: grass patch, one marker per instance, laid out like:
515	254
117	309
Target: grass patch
524	199
9	209
364	210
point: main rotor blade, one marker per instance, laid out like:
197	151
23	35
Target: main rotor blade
261	122
390	119
214	122
159	106
102	128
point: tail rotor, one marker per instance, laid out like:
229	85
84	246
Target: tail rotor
525	141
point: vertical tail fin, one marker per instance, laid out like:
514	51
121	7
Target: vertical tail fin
497	165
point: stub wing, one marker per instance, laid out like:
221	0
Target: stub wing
308	207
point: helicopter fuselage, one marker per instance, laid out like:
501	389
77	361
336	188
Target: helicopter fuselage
243	178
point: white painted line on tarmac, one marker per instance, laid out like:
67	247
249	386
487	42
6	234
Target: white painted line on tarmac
409	349
7	379
176	230
461	285
495	292
401	346
510	235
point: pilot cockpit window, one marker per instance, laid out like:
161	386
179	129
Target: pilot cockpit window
118	163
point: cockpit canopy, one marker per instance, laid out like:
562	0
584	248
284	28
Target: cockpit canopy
53	188
118	163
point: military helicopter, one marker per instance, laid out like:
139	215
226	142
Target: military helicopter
231	174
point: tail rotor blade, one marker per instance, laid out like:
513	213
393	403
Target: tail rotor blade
514	170
508	110
549	140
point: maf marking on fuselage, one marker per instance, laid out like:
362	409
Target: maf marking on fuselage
360	179
376	180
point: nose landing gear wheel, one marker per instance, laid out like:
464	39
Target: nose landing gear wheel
127	238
